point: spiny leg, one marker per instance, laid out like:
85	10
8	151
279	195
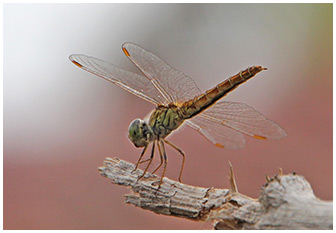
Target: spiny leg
150	161
161	158
181	152
165	162
144	161
141	155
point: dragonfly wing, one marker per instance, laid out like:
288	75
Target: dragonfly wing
224	118
216	133
172	84
134	83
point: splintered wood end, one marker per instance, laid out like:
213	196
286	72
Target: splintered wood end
233	185
280	173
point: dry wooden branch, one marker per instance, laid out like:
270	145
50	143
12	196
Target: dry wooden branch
285	202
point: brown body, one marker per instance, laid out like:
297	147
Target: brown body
204	101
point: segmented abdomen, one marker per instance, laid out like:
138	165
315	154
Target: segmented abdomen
204	101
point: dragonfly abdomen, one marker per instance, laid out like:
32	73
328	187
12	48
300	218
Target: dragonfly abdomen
205	100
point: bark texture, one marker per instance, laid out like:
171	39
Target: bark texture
285	202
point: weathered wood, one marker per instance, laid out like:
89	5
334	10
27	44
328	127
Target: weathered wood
285	202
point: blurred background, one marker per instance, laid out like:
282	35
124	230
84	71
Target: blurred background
60	122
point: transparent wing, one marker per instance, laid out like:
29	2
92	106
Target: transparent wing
224	118
134	83
172	84
218	134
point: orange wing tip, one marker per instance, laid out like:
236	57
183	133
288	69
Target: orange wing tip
77	64
219	145
259	137
126	52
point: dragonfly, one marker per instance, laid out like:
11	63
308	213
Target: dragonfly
179	102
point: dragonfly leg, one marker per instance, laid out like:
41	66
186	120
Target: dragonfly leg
161	159
181	152
141	155
150	161
165	160
144	161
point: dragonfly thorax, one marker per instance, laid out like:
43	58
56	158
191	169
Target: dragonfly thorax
164	120
140	133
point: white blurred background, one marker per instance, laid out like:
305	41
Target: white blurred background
60	122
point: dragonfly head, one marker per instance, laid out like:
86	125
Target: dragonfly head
139	133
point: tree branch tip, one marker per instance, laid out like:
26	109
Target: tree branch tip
280	173
233	184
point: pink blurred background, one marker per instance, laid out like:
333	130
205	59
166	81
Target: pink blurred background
61	122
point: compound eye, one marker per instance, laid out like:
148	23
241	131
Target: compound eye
134	133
